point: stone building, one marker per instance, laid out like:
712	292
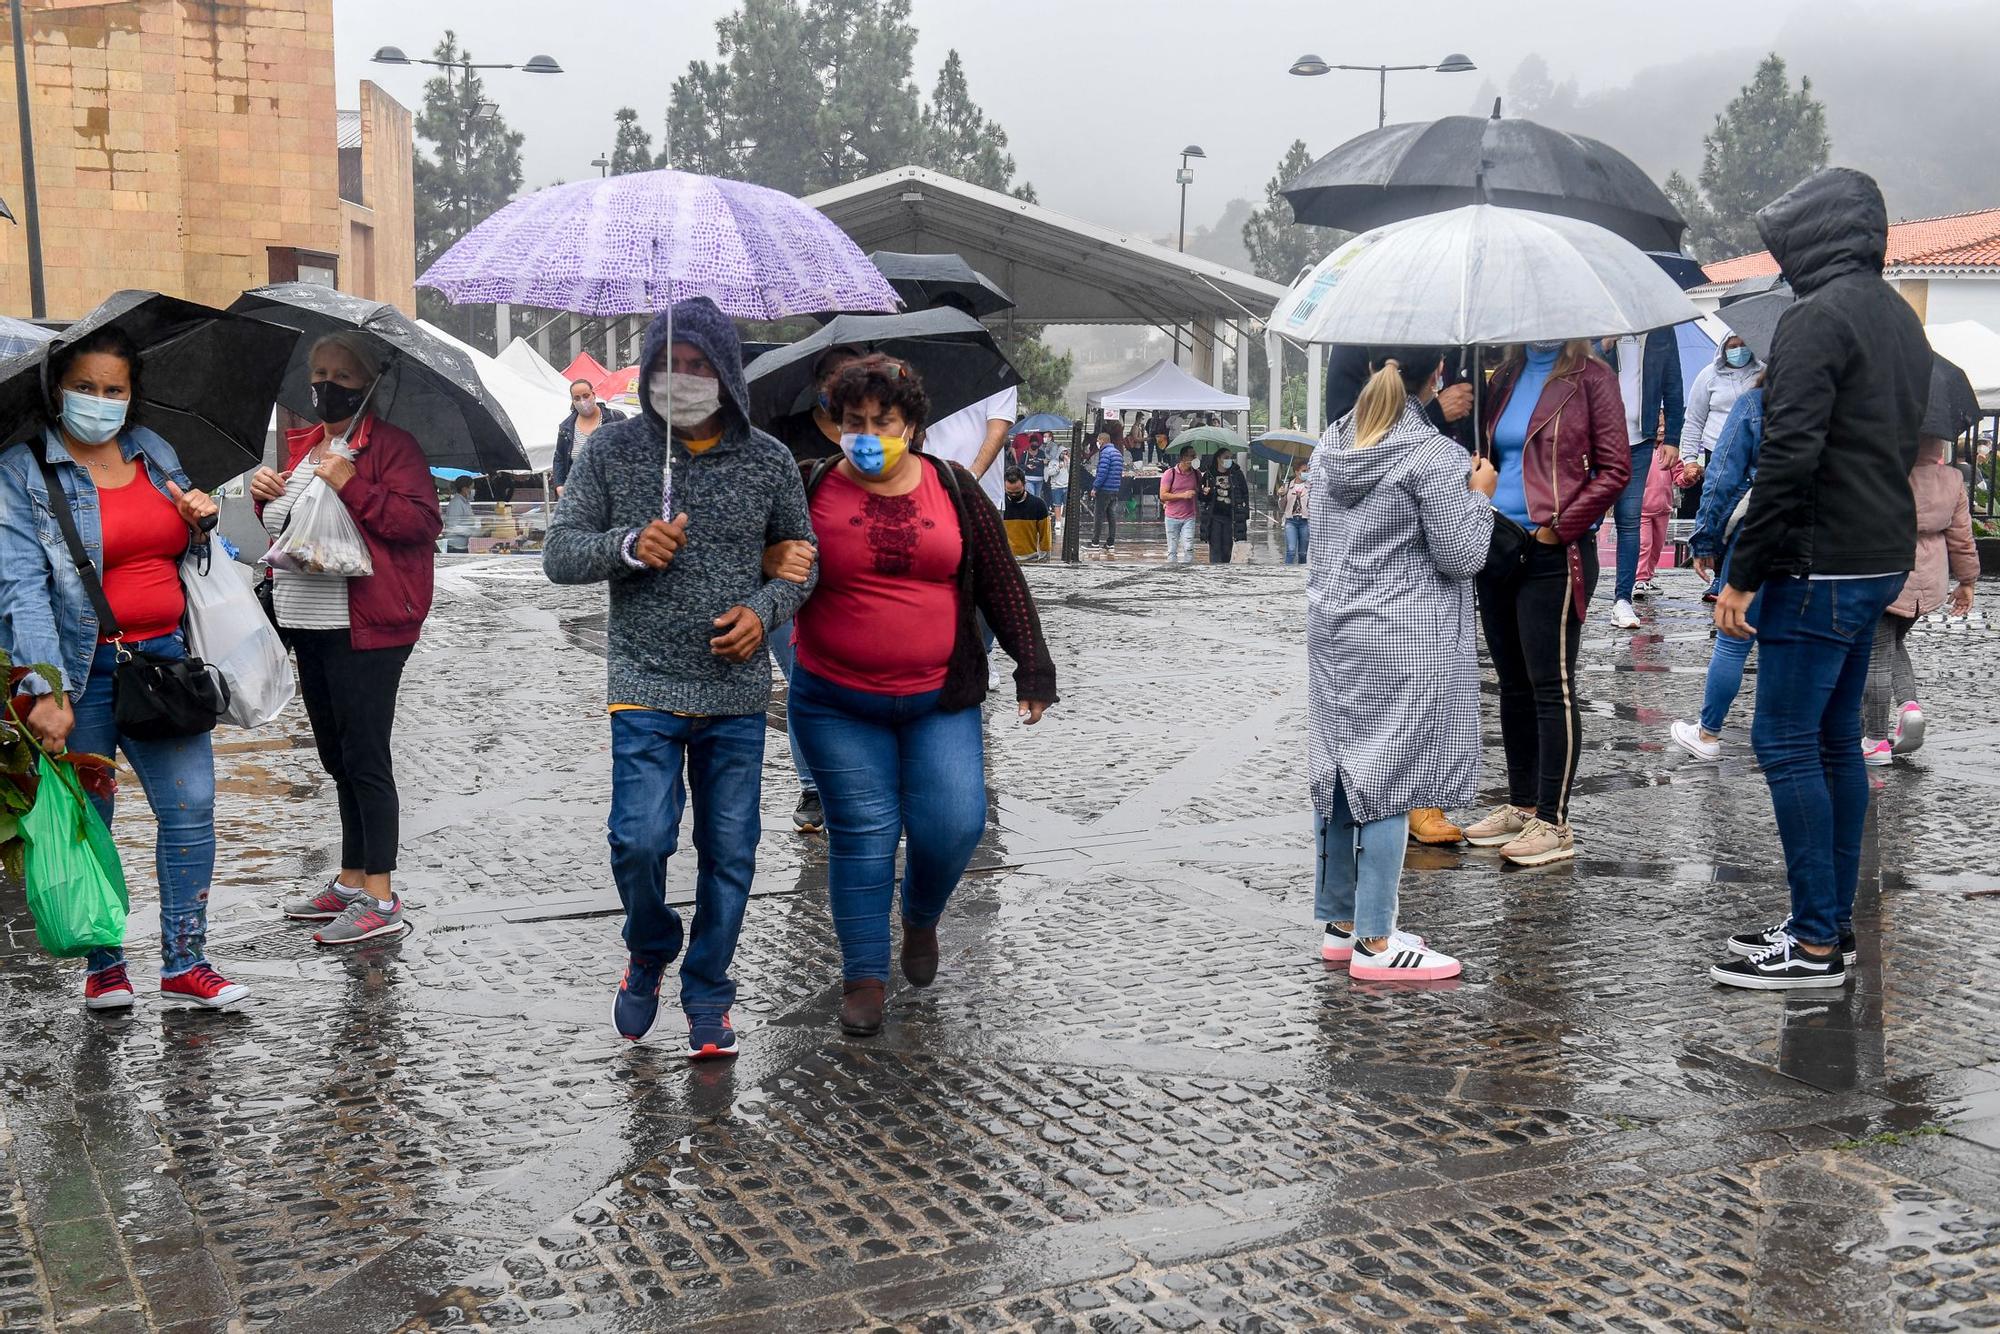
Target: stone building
192	146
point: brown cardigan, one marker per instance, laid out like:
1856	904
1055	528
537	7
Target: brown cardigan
989	581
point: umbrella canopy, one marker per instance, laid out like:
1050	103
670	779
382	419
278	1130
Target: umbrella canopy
1206	440
1754	319
1042	421
18	336
453	474
955	356
1685	270
1406	171
430	389
534	411
1753	286
1975	349
924	280
210	378
1481	274
637	243
1284	446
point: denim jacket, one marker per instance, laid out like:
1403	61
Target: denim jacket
1732	467
45	616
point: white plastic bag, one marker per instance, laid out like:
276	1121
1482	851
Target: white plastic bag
320	536
228	630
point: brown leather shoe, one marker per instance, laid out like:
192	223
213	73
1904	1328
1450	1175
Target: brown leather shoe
1428	825
920	954
861	1007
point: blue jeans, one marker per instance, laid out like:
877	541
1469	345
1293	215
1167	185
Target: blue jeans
1358	869
787	657
1725	662
657	758
890	766
178	776
1816	641
1628	514
1180	540
1295	541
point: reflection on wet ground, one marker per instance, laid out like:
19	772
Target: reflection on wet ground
1136	1099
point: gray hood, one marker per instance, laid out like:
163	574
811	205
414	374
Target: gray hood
1349	474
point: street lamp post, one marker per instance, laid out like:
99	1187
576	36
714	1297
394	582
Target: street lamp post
38	302
1311	66
1186	178
603	165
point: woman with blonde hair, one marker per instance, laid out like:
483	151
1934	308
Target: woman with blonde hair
1557	434
1399	530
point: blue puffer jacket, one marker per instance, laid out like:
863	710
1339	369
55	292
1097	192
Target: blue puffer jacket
1732	467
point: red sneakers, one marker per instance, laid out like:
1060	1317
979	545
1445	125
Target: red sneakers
202	985
107	989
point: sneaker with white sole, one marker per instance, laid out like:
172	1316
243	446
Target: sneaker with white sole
1540	844
1877	753
1688	737
111	988
324	906
1783	966
1404	959
1502	826
202	985
1623	616
1907	734
1747	943
1337	946
364	919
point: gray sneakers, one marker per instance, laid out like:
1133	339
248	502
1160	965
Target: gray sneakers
363	919
324	906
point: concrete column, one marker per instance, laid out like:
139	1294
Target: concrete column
1315	391
575	327
1274	359
1202	362
503	327
612	361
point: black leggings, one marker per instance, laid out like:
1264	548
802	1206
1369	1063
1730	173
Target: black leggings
1221	536
350	697
1533	633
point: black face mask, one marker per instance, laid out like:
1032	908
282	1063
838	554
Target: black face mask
336	402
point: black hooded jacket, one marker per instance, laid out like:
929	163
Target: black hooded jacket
1843	395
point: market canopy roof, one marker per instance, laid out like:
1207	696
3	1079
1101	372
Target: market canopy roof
1058	269
1165	387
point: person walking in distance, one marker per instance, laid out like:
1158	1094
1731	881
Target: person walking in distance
687	681
1294	511
1180	493
1392	664
1828	540
1710	398
353	636
1029	532
1225	507
1648	374
586	414
1558	436
1108	486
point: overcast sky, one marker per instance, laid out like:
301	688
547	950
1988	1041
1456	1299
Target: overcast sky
1097	96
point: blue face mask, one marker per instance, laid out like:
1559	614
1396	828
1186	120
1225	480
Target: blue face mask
91	419
1738	356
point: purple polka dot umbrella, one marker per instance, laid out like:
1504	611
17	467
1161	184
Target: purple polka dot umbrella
634	244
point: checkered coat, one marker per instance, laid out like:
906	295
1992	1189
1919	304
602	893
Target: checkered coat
1392	671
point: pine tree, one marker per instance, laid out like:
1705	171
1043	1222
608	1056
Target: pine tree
632	148
1768	139
1045	375
1279	245
473	169
958	140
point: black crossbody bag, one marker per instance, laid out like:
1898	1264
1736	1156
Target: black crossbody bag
152	698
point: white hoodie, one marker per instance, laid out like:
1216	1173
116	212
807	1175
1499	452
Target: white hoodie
1714	392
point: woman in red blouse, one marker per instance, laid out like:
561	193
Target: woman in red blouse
892	670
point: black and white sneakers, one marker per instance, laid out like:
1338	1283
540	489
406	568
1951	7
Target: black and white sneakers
1781	966
1746	943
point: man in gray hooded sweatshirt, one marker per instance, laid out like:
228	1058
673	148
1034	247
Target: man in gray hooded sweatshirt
688	683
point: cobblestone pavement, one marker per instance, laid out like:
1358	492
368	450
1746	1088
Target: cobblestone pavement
1135	1099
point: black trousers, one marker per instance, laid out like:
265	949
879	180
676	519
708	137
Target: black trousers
1533	633
1107	518
1221	536
350	698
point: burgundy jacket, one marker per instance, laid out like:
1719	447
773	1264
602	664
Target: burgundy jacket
1578	457
394	503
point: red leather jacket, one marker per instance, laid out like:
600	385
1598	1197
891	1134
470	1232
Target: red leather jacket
1578	457
394	503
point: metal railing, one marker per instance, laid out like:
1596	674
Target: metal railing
1976	453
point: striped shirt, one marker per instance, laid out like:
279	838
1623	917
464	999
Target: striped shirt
304	601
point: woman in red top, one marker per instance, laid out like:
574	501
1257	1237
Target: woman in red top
135	512
892	670
353	634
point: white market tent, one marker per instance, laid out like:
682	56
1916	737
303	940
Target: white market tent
1165	387
1974	349
520	357
534	409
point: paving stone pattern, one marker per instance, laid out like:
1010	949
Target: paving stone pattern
1136	1099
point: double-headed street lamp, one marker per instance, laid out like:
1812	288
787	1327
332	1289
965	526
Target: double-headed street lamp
1311	66
483	114
1186	178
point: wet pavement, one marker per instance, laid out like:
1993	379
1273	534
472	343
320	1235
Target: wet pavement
1134	1100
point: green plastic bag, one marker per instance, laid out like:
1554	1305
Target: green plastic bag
76	886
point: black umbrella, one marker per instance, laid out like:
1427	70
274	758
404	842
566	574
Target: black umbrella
1406	171
1952	406
429	389
1681	268
1757	286
208	379
924	280
955	355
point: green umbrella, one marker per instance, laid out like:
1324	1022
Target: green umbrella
1207	440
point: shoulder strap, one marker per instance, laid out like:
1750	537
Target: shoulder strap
107	624
819	472
948	473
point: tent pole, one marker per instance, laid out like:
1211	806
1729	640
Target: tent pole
1072	535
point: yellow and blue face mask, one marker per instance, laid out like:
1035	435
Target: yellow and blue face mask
873	455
